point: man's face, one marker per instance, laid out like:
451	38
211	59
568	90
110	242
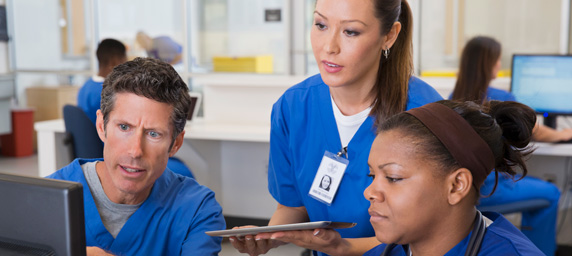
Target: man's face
137	139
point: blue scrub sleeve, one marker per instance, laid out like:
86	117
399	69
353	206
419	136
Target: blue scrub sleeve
208	218
281	179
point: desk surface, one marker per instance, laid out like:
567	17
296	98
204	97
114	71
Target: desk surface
196	130
552	149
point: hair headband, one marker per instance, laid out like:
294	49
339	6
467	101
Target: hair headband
459	137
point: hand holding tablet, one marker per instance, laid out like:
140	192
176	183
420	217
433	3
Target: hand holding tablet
277	228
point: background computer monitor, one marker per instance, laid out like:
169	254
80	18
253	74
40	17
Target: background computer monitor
195	105
544	83
41	215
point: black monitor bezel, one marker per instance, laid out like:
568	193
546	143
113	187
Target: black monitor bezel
71	196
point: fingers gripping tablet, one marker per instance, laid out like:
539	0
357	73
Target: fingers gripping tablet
277	228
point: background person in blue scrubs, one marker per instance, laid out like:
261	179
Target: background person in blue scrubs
133	204
110	53
364	52
480	62
426	178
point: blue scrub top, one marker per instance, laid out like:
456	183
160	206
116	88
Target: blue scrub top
171	221
89	98
303	127
501	238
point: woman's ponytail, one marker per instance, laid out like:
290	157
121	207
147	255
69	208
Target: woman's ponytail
516	121
394	71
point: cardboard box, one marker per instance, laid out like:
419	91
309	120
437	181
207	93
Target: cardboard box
48	102
255	64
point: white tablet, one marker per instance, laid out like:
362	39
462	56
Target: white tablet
287	227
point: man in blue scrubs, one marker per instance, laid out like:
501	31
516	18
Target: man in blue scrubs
133	204
110	53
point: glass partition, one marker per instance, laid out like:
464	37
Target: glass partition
48	29
521	26
160	22
312	66
230	35
233	36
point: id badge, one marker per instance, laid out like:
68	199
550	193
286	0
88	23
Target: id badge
328	177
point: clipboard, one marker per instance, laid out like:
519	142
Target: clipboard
277	228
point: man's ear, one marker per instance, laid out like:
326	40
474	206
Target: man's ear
391	37
459	185
177	144
100	126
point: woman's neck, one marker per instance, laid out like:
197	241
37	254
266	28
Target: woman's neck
447	235
352	99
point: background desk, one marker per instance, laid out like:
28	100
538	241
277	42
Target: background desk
551	161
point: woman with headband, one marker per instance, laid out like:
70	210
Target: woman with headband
427	166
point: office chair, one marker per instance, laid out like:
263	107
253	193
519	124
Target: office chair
177	166
81	134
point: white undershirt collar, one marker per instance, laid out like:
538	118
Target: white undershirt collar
348	125
97	78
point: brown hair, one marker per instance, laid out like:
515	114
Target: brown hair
506	127
152	79
476	70
393	76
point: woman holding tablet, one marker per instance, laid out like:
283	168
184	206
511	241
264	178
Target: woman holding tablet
428	164
326	124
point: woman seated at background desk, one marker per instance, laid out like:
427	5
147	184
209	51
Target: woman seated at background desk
480	63
428	164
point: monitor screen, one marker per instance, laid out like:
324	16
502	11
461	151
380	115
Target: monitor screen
41	216
195	105
543	82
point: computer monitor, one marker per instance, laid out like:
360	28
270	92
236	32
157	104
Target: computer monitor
41	216
195	105
544	83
